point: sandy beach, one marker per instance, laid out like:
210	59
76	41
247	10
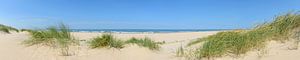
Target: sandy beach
12	49
149	30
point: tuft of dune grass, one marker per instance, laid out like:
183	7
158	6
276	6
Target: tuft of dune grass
145	42
27	30
7	29
106	40
235	43
55	37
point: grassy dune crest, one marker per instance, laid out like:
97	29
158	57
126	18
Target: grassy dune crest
235	43
7	29
55	37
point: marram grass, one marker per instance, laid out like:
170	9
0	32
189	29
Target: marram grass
27	30
55	37
235	43
145	42
7	29
106	40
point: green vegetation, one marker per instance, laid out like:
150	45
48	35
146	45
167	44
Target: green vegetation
283	28
7	29
55	37
106	40
145	42
28	30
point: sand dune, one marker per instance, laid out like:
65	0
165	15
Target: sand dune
11	48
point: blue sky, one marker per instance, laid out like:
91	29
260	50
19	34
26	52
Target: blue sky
143	14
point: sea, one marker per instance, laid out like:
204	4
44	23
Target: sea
145	30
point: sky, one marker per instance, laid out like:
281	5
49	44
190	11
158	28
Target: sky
143	14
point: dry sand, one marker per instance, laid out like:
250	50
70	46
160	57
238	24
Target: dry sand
11	49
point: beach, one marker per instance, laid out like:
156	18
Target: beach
12	49
149	30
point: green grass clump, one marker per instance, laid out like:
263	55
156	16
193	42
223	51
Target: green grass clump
236	43
7	29
27	30
284	26
106	40
145	42
55	37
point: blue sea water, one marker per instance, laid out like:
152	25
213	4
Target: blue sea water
145	30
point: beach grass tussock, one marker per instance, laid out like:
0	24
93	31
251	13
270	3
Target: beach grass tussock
27	30
235	43
7	29
55	37
145	42
106	40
